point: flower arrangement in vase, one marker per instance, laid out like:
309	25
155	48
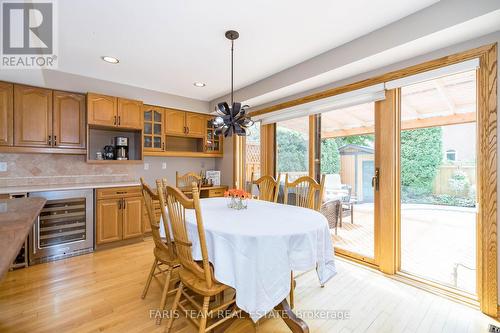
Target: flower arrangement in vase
237	199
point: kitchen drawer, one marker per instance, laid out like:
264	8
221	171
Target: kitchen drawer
216	192
118	192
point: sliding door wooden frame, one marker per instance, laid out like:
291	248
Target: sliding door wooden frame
267	150
487	181
386	144
487	169
238	162
312	146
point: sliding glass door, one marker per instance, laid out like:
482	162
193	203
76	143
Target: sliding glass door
438	181
411	165
292	148
348	156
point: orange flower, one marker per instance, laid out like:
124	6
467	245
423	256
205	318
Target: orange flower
237	193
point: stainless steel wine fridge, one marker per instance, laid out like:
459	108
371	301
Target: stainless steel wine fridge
65	226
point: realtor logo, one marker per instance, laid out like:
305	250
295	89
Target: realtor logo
28	35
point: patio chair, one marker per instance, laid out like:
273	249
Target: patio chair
334	189
332	210
347	204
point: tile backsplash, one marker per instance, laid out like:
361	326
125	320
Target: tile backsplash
54	169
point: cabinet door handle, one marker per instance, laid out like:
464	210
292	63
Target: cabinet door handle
114	120
124	203
120	204
163	146
55	140
119	120
50	140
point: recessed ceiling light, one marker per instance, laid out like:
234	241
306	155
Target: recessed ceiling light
111	60
199	84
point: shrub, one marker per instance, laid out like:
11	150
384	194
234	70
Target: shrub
292	151
421	157
330	157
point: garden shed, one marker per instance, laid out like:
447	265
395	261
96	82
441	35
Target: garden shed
357	169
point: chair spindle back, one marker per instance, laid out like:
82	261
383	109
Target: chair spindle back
178	204
308	193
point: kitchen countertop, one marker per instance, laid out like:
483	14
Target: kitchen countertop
16	219
61	187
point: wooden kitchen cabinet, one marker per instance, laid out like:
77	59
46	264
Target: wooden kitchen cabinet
69	120
195	124
112	111
101	110
129	113
6	114
119	214
132	217
154	127
213	142
32	116
108	221
175	122
182	123
185	134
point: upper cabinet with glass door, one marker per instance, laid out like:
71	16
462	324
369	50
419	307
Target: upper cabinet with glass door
213	143
172	132
154	125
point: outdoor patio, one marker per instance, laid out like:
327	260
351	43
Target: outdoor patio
438	242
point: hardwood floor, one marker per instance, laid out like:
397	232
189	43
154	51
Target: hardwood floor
102	292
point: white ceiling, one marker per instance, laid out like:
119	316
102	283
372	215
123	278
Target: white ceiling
167	45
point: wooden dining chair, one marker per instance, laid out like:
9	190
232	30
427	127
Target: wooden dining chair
165	259
308	193
197	277
187	179
268	187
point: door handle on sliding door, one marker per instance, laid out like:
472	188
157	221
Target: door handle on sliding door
375	179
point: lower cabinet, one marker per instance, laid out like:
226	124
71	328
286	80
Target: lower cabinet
108	221
119	215
132	217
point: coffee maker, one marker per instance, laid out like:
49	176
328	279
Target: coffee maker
121	148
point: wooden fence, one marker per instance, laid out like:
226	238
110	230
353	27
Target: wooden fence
442	184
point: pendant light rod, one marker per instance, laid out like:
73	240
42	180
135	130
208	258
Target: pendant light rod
232	35
232	119
232	72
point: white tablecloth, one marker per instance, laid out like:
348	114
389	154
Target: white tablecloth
253	250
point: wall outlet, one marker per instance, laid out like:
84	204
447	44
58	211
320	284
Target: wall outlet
3	166
146	166
164	165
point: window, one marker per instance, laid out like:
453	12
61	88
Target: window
451	155
292	147
252	152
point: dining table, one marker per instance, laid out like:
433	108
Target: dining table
254	251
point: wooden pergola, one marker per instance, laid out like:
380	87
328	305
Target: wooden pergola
444	101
